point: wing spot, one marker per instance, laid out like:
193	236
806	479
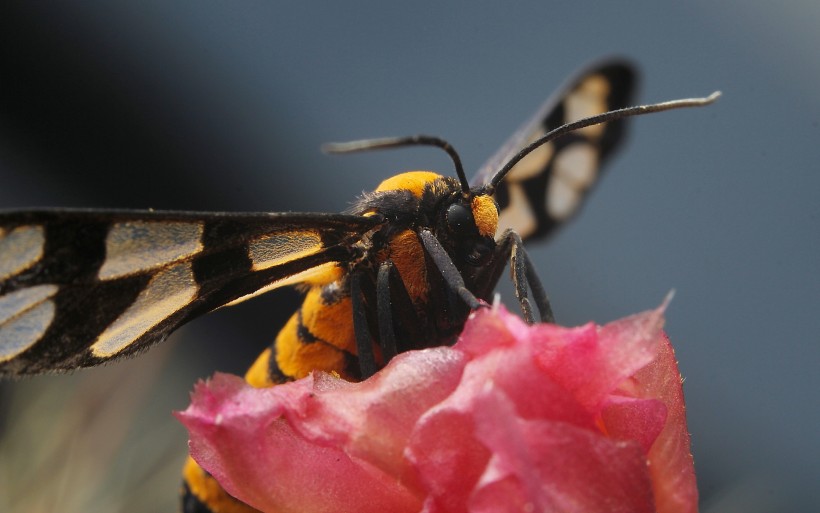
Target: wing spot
575	170
25	315
562	199
166	293
588	99
519	214
136	246
20	248
533	164
17	302
280	248
577	165
319	275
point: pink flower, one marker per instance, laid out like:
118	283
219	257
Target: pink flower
511	418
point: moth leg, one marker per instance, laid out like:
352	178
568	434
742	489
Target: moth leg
448	269
384	308
364	341
399	324
524	277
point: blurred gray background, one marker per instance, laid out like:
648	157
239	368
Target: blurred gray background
223	105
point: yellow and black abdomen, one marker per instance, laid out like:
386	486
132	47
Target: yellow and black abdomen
320	335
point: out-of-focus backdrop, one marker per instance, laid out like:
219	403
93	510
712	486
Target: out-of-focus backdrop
223	105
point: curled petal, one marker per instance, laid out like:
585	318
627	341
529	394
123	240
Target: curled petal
541	465
260	459
591	362
670	458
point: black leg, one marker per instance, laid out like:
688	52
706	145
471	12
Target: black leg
518	268
524	277
364	342
396	314
384	306
447	268
482	280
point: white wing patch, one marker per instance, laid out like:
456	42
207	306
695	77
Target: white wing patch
167	292
574	171
533	164
574	167
136	246
21	248
280	248
519	215
588	99
313	275
24	317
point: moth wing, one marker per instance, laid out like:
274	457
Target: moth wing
81	287
548	187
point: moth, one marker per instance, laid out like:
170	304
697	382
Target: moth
400	270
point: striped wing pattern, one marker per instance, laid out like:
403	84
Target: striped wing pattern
79	287
549	186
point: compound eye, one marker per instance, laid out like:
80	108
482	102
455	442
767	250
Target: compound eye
458	218
482	252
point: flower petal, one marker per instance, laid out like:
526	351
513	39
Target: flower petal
627	418
513	417
670	458
592	362
539	465
373	420
260	459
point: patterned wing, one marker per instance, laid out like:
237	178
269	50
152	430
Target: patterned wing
548	186
80	287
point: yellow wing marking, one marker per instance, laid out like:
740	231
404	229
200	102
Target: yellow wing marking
281	248
20	248
24	317
320	275
533	164
575	167
136	246
519	214
588	99
167	292
574	171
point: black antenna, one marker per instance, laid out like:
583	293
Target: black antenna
397	142
595	120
